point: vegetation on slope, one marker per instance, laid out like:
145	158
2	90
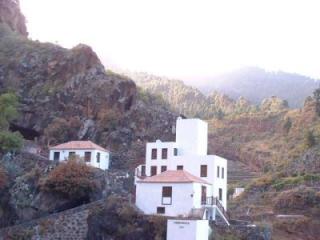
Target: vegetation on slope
189	101
256	84
8	111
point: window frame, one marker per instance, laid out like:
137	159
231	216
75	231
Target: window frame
98	157
154	154
156	170
166	193
222	172
218	171
175	151
143	170
86	158
163	167
203	170
220	194
54	156
161	212
71	154
164	156
179	167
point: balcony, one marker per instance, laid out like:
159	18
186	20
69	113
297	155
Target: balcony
214	201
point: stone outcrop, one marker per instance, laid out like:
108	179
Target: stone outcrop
11	15
67	95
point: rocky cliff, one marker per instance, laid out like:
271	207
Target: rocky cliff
11	15
67	94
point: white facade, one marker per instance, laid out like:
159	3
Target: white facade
237	192
185	196
189	152
93	156
187	229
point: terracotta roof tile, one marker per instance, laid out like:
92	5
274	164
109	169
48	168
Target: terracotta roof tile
79	145
170	176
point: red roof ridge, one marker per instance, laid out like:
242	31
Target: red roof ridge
174	176
79	144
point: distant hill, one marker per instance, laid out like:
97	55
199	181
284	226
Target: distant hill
256	84
188	100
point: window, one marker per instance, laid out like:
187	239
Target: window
153	170
164	153
166	195
203	194
98	157
203	171
87	156
222	173
56	156
179	167
175	151
143	170
163	168
220	194
72	154
218	172
154	153
161	210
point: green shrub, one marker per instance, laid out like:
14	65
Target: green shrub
10	141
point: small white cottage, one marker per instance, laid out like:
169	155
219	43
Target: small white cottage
92	154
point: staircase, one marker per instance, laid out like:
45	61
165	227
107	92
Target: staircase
212	204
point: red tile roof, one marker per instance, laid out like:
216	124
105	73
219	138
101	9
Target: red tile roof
170	176
79	145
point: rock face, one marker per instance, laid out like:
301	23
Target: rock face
67	94
11	15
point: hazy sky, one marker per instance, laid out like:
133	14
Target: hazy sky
185	38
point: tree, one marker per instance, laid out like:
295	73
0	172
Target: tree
73	179
10	141
8	111
287	125
310	139
316	96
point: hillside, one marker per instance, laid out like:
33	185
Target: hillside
188	100
283	145
256	84
67	94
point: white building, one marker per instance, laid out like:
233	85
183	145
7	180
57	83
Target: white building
187	229
92	154
202	183
169	187
237	192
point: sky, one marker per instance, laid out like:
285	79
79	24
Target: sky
188	38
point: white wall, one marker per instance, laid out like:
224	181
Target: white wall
185	196
104	156
192	136
192	164
191	142
187	229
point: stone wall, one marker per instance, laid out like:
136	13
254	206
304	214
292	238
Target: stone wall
69	224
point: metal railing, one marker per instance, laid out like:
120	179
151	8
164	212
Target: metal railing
214	201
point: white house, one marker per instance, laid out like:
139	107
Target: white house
173	186
196	180
93	154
